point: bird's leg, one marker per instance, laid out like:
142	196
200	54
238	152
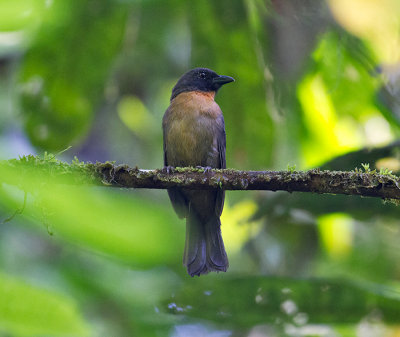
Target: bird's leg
206	169
168	169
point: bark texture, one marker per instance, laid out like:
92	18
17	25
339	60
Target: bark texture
369	184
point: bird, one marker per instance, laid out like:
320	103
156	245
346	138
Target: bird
194	136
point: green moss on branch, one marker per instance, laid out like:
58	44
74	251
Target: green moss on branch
372	183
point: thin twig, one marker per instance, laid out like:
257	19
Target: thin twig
17	211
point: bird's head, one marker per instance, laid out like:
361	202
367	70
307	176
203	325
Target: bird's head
200	79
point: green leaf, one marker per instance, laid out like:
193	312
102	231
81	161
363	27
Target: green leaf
119	223
20	14
63	73
26	310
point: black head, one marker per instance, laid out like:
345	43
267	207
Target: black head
200	79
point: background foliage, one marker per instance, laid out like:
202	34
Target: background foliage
317	84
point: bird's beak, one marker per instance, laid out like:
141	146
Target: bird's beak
221	80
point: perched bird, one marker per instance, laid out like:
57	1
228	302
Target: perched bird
194	135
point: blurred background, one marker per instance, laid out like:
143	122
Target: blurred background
317	85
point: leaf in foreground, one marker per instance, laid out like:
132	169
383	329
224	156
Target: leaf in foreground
30	311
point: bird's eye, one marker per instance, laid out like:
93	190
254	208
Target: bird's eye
202	75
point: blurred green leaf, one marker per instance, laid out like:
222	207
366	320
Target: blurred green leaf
346	67
337	96
136	117
117	223
64	71
20	14
26	310
245	302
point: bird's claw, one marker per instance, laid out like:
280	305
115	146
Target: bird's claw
168	169
206	169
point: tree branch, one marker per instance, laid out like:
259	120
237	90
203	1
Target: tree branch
369	184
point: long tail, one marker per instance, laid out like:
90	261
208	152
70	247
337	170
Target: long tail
204	248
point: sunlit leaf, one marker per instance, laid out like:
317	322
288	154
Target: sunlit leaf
136	116
237	228
326	138
20	14
338	101
376	21
336	232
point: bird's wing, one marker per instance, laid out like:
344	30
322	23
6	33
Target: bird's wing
221	142
164	127
178	200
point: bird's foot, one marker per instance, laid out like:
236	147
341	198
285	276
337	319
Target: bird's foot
206	169
168	169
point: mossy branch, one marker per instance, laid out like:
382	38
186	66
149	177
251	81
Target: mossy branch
369	184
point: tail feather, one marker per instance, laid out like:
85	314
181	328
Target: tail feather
195	246
204	248
216	255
